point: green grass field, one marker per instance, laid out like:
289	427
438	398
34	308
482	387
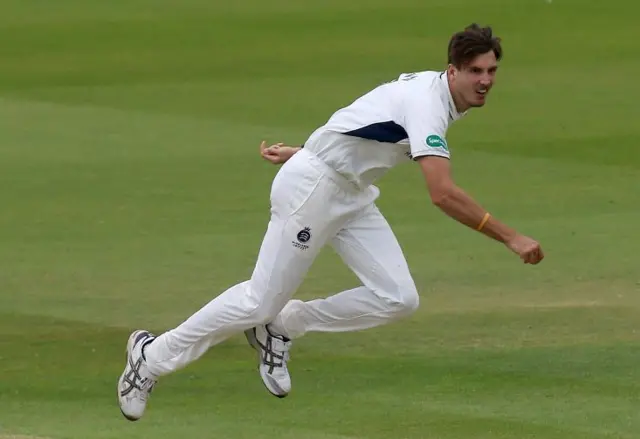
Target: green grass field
132	193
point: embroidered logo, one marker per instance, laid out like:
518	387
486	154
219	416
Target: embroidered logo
303	236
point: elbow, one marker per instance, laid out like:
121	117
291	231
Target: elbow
440	197
439	200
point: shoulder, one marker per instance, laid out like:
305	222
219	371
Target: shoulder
424	96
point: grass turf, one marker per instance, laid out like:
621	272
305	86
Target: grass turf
132	194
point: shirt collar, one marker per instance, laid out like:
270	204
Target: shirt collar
454	114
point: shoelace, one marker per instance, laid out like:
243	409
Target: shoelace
135	380
272	356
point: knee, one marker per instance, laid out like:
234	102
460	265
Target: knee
410	299
259	310
264	313
405	300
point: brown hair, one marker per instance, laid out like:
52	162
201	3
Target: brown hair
474	40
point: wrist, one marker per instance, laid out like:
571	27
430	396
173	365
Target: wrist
495	229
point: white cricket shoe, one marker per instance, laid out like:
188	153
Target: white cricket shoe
273	354
135	383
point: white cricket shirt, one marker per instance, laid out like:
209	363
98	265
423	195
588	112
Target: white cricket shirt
395	122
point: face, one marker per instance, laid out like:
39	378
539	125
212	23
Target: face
470	84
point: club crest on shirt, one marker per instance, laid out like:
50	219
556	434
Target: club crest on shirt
303	237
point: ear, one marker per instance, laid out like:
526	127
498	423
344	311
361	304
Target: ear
452	70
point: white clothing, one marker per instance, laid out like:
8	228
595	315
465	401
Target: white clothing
324	194
311	205
395	122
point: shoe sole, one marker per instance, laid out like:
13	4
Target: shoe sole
253	342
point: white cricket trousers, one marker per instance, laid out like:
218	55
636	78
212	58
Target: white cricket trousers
311	205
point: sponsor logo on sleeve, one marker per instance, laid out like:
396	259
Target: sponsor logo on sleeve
435	141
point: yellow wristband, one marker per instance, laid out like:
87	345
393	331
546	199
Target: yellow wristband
484	221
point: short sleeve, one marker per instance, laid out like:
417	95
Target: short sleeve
426	126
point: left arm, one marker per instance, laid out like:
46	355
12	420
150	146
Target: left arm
278	153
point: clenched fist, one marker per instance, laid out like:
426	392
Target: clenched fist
528	249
